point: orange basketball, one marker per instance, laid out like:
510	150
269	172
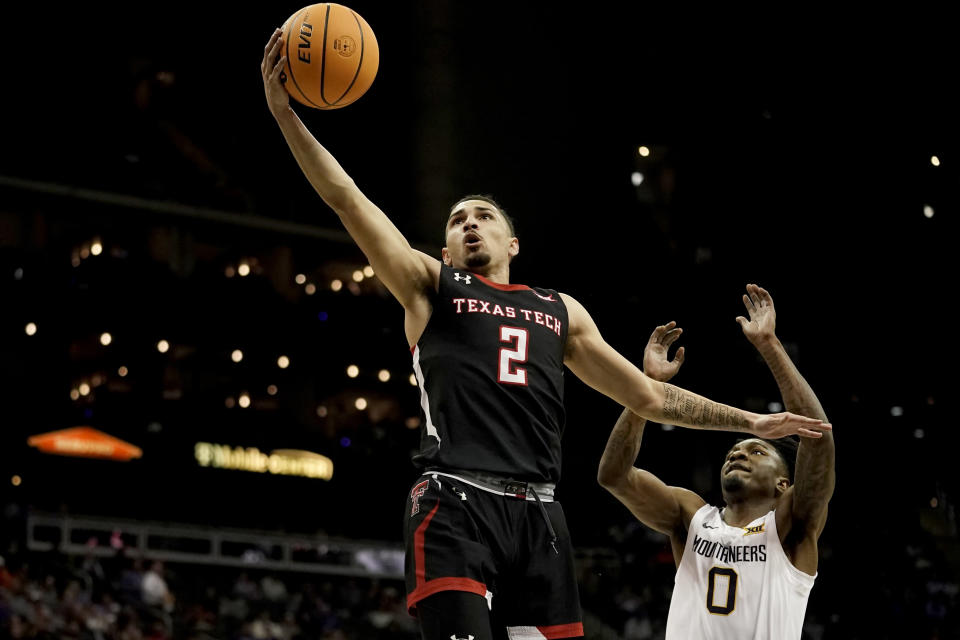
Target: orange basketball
332	56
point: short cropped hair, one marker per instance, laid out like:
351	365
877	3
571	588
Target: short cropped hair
489	200
786	448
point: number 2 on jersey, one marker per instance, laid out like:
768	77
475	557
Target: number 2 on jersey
508	371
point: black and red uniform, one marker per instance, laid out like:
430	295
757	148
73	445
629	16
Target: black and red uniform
482	518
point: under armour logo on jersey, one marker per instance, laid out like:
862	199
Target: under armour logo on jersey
548	298
466	280
751	530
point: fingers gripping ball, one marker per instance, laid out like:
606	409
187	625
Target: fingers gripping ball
332	56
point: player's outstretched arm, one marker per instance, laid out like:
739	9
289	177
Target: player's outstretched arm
600	366
407	273
662	508
815	477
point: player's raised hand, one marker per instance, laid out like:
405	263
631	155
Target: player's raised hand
778	425
656	364
271	68
762	324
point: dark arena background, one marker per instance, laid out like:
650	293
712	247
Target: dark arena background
169	278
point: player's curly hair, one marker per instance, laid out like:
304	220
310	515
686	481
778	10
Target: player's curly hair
490	200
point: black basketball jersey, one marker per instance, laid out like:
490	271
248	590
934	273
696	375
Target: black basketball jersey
490	369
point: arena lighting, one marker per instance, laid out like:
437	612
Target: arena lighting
243	401
74	394
928	211
17	480
413	380
933	501
896	412
358	276
336	285
383	375
96	248
368	271
230	403
918	434
360	404
636	178
31	328
122	372
310	289
84	252
774	407
84	442
229	271
237	355
300	278
644	151
18	273
353	371
84	389
163	346
287	462
105	338
243	270
272	389
283	362
322	411
935	161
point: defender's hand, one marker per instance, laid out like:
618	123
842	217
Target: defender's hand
271	69
655	362
762	324
778	425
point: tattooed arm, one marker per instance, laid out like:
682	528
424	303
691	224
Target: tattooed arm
802	523
662	508
600	366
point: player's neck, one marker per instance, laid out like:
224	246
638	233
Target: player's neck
499	275
739	513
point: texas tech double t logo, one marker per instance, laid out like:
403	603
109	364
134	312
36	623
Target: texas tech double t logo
415	495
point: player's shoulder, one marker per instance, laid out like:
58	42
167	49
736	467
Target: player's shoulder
691	505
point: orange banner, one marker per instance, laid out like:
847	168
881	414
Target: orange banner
84	442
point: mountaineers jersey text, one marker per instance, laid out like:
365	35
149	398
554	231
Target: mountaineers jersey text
490	369
736	583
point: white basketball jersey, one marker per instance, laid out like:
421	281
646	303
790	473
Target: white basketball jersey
736	583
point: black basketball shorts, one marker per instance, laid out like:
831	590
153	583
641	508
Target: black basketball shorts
464	536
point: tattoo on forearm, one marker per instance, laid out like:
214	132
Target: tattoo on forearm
687	408
622	445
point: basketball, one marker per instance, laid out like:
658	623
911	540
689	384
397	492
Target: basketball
332	56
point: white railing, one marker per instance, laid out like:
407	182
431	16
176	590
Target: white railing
86	535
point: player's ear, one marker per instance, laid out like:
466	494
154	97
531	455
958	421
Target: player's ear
514	247
783	483
445	256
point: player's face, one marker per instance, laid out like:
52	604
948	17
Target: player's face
478	237
753	467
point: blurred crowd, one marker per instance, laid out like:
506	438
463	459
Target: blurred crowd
625	591
46	595
628	587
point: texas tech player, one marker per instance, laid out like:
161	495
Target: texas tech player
744	571
483	536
